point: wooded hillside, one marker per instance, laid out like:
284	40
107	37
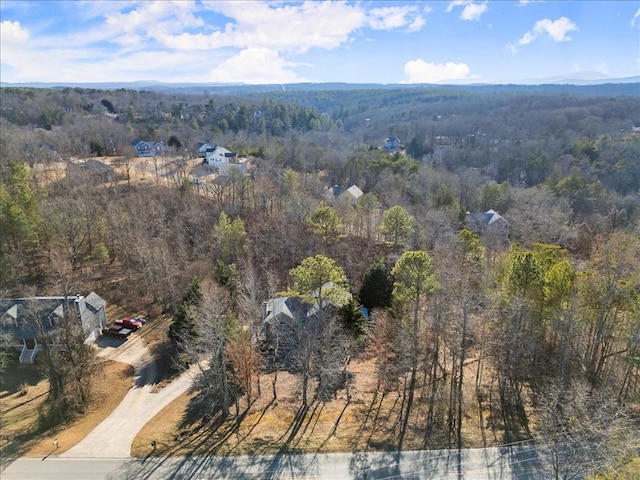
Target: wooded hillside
537	333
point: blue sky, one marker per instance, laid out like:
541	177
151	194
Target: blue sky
371	41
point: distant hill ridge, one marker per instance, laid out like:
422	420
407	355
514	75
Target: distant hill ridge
587	85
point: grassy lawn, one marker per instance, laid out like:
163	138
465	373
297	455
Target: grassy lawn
23	395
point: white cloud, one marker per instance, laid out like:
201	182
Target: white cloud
12	39
636	17
154	18
417	24
249	67
512	48
472	10
457	3
290	27
556	29
387	18
420	71
526	39
157	33
284	27
603	68
12	32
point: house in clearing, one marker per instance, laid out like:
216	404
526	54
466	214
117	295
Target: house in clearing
28	322
225	161
214	155
147	149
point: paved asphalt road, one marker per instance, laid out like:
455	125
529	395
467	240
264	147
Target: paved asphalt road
476	464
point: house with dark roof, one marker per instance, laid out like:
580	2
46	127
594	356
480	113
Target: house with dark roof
224	160
338	192
216	155
334	192
286	316
391	144
284	309
203	147
147	149
30	321
490	226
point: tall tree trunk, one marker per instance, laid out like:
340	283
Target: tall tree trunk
414	369
225	382
463	352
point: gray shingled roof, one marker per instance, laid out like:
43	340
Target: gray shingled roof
22	318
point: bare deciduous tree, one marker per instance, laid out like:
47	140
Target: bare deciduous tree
207	347
69	364
582	431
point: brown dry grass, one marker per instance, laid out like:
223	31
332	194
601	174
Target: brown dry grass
141	170
369	421
21	434
263	429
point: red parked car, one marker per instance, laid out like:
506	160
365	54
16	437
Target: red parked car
130	323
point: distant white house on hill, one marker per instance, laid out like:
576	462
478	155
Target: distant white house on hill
221	158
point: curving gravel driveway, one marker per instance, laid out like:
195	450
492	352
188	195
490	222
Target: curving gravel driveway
113	437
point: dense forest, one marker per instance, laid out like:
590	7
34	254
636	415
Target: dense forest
540	330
